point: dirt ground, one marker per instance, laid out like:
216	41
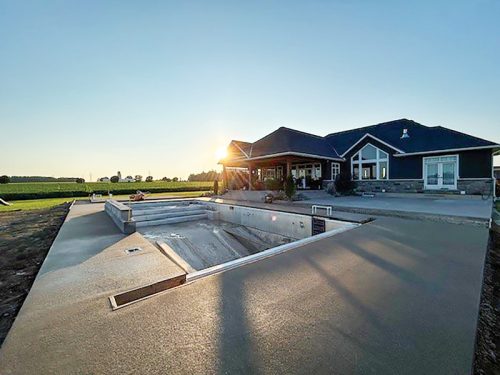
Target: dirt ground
25	239
487	359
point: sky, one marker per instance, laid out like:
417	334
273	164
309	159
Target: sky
156	87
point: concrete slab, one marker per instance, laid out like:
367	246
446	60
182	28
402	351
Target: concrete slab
392	296
467	208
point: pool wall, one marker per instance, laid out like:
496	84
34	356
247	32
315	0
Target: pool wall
292	225
286	224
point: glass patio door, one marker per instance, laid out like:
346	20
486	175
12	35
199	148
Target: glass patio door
441	172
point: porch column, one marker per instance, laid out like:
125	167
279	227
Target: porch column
225	184
249	176
288	167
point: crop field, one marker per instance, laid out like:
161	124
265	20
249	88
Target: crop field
39	190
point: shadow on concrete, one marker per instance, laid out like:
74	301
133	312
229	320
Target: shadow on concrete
347	295
236	351
81	238
395	270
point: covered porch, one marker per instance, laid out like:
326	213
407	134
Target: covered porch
271	173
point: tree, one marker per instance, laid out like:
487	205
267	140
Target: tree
149	179
216	187
204	176
175	179
80	181
114	179
166	179
138	178
4	179
290	187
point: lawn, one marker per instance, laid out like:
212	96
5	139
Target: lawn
39	190
35	204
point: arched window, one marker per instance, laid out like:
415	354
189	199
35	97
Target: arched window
370	163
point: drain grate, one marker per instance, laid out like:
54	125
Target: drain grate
133	250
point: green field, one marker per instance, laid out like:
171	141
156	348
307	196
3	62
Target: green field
39	190
35	204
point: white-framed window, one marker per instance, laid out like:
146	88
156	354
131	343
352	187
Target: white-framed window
335	170
279	172
370	163
304	170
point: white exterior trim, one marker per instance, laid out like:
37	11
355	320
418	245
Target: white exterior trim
375	138
331	170
457	177
472	178
287	153
447	150
376	161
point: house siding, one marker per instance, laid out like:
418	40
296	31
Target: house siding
406	173
475	164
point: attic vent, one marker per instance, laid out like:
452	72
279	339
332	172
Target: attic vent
405	134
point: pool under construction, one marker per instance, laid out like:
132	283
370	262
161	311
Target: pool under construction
201	235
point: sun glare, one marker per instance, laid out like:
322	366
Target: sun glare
221	153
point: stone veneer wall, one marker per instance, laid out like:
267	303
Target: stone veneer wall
475	187
470	186
391	186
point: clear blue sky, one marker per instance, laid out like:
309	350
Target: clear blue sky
101	86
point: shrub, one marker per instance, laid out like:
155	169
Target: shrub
114	179
290	187
149	179
331	189
4	179
216	187
273	184
344	183
80	181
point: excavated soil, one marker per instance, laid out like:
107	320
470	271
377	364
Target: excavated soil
25	239
487	358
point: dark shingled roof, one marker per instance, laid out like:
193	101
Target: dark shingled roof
290	140
422	138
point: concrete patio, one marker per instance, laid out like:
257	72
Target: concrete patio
389	297
474	208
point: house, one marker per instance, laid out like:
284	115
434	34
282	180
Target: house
395	156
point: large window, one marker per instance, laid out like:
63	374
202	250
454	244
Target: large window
370	163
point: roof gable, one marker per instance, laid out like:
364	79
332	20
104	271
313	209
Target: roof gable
421	138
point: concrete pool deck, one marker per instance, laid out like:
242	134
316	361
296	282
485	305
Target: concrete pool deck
439	206
391	296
